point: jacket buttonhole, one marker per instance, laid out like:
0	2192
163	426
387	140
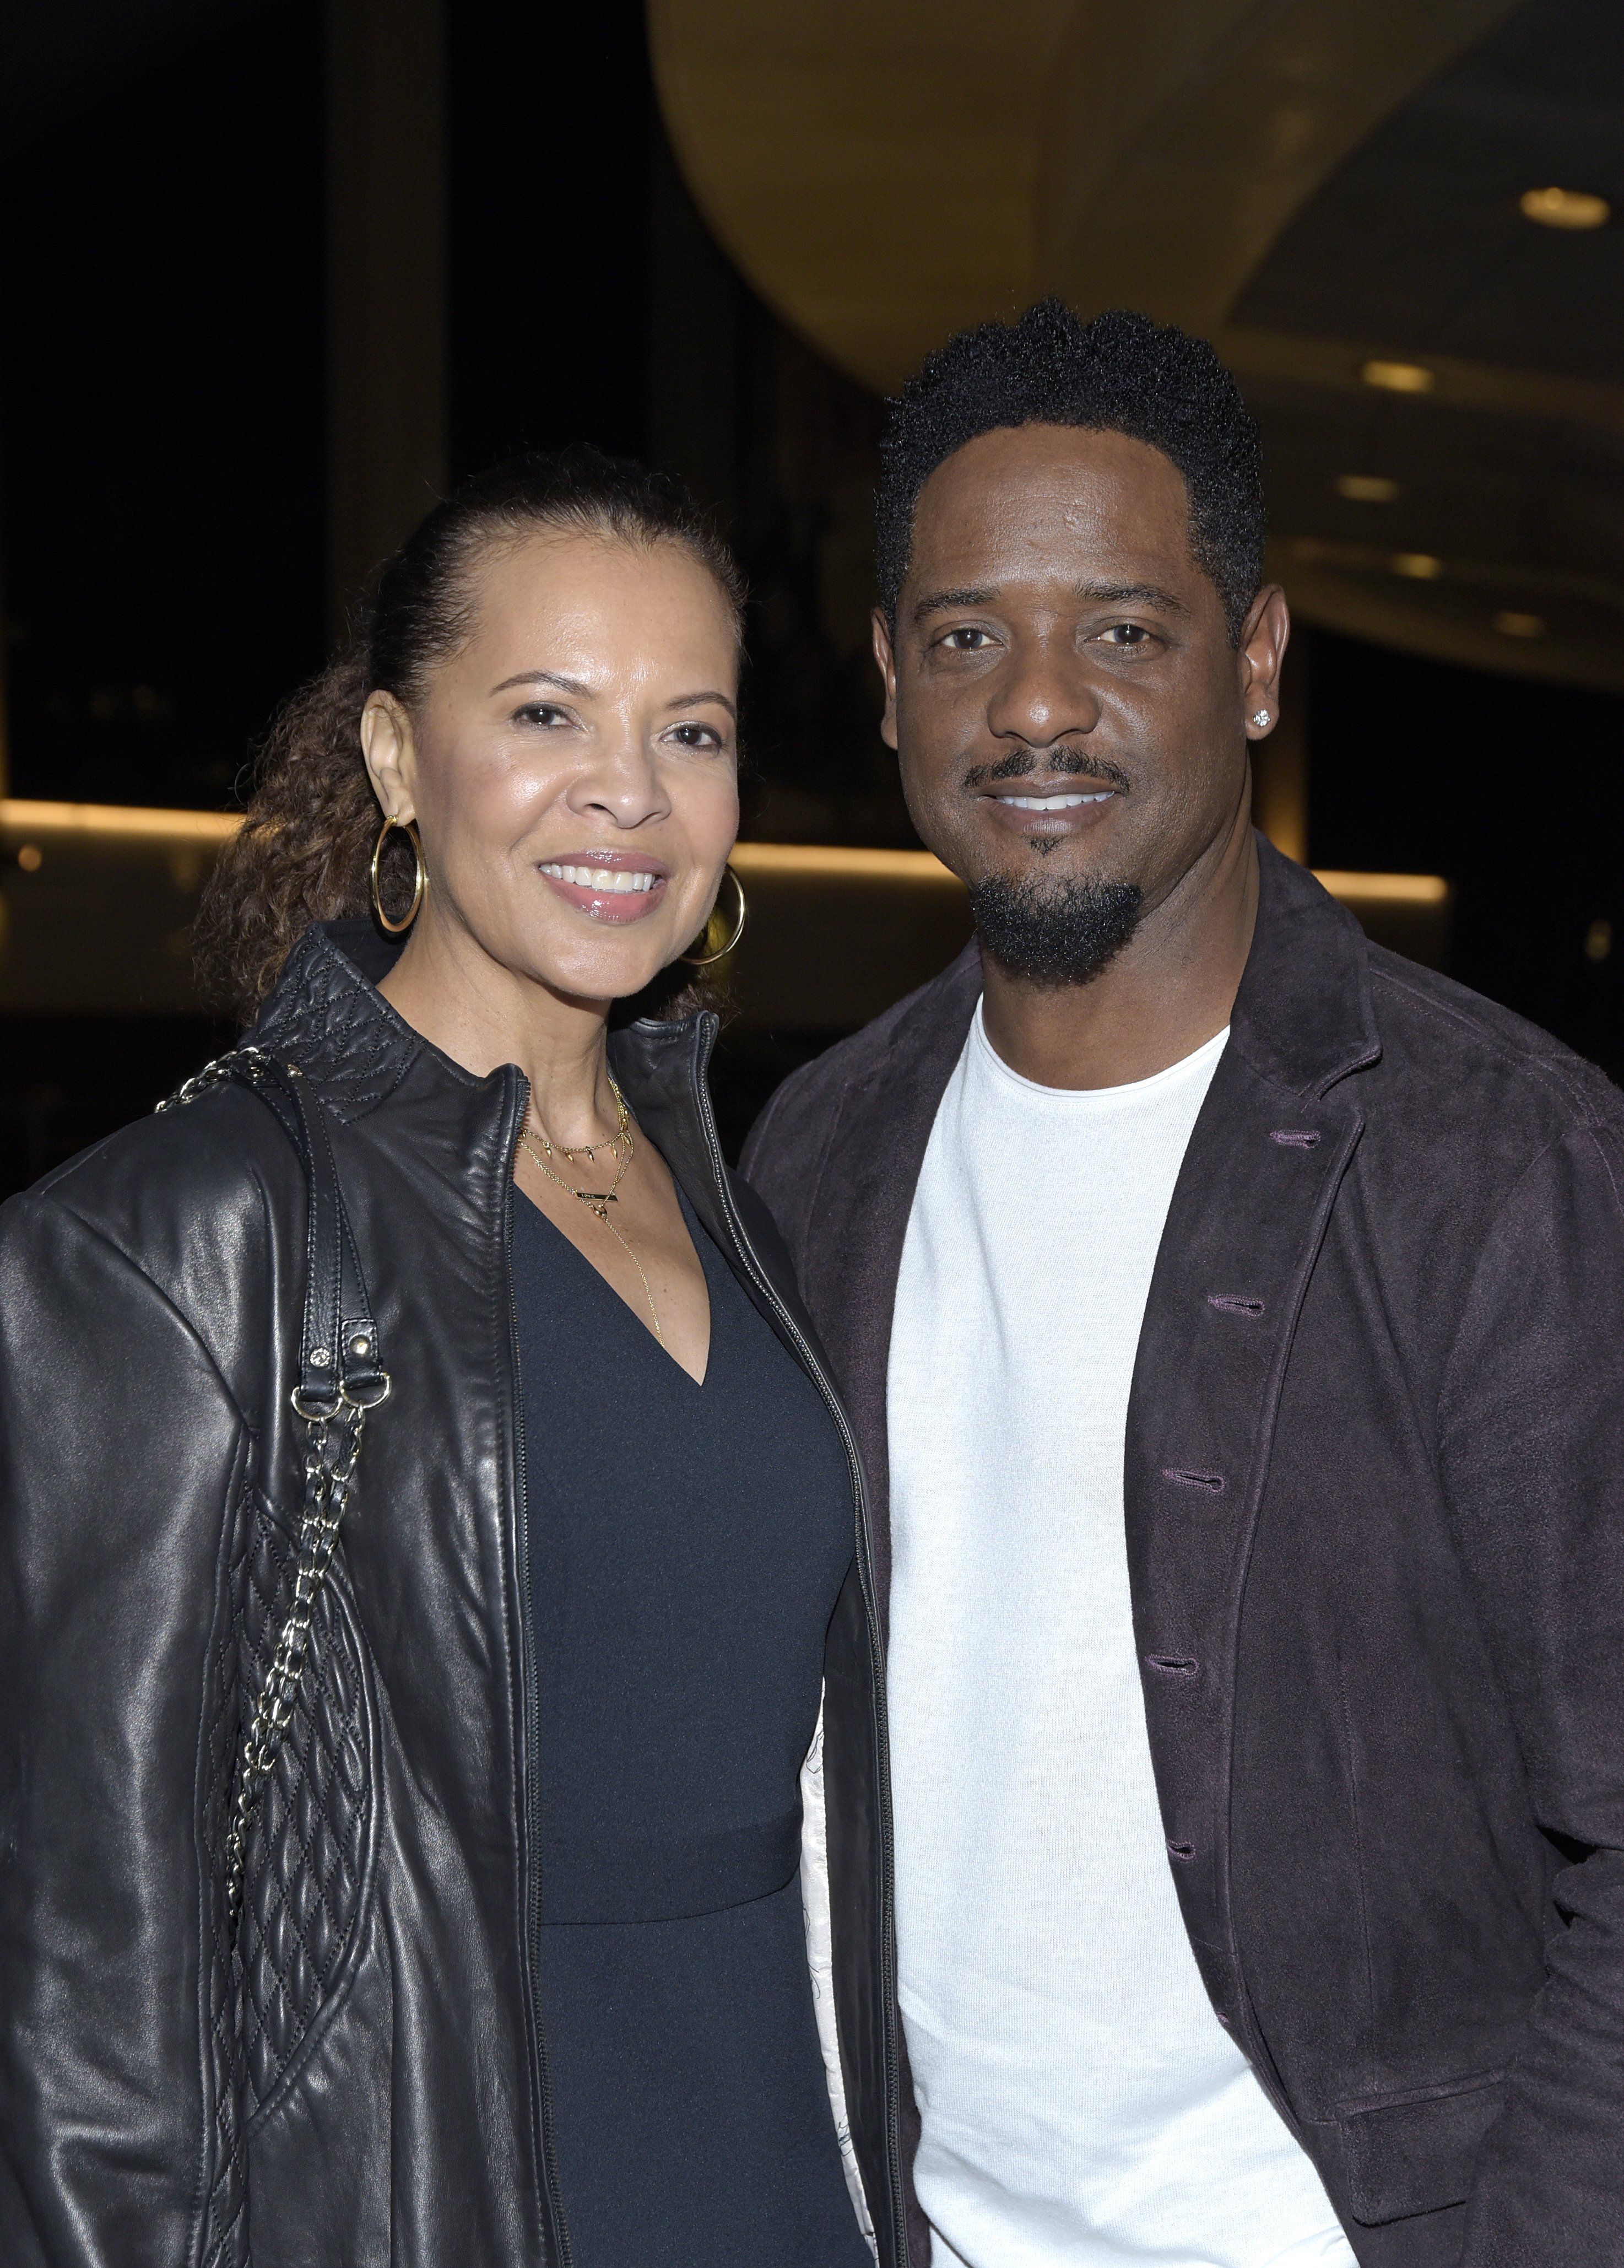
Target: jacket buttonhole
1234	1303
1182	1849
1176	1664
1295	1138
1213	1482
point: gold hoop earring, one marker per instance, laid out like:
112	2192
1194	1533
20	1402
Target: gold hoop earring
409	827
694	960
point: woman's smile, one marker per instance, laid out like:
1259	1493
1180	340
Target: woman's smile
613	885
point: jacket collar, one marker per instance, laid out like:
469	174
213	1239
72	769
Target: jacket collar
327	1012
661	1070
1303	1017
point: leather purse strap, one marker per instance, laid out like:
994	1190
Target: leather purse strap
341	1378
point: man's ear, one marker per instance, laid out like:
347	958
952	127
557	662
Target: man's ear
391	759
884	655
1263	641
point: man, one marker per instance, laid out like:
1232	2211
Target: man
1230	1313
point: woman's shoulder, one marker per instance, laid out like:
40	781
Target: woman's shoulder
191	1199
213	1149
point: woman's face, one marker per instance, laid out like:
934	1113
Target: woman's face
573	770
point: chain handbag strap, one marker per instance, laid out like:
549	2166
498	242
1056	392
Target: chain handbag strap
341	1380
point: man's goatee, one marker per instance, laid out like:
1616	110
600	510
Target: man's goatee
1054	933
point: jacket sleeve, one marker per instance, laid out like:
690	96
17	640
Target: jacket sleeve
1532	1444
123	1460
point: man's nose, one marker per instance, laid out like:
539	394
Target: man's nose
1042	694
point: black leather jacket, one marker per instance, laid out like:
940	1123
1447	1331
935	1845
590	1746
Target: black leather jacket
363	2079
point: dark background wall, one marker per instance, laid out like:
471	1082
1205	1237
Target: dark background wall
1514	789
165	479
164	446
162	422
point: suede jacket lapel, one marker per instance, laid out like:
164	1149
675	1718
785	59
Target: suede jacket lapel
1248	1214
1249	1210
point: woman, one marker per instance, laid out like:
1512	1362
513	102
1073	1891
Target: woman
506	1962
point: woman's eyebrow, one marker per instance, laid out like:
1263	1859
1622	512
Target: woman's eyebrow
578	686
542	677
688	700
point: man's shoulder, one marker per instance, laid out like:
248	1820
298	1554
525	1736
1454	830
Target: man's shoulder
815	1089
789	1136
1440	1039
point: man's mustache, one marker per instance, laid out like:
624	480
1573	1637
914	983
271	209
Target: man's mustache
1057	762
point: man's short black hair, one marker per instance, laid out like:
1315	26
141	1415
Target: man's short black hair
1119	373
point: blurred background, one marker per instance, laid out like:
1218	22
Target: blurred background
275	272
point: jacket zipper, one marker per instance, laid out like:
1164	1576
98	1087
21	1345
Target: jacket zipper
554	2199
866	1576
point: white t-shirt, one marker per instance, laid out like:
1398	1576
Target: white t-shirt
1081	2102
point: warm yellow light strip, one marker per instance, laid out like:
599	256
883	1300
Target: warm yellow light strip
1411	889
836	858
920	866
19	815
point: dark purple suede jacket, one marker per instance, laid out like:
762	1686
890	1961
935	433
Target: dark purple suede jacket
1375	1521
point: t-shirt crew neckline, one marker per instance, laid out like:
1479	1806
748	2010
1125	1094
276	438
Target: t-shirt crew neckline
1194	1066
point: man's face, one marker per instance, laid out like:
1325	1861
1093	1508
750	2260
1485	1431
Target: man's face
1069	711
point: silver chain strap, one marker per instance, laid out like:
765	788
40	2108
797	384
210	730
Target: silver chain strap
217	1073
329	1471
335	1422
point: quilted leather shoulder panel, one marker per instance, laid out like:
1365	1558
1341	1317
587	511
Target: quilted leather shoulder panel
325	1013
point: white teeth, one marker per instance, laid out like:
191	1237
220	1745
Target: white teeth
1053	802
617	881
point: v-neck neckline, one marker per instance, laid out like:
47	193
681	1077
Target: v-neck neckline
696	1232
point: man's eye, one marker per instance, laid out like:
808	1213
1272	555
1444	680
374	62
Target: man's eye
969	640
1127	634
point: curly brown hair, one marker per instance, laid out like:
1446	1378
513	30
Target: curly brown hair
303	851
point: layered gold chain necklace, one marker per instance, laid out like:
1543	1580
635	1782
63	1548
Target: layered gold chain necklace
622	1149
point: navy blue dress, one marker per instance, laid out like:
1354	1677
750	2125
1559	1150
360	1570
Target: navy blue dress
688	1545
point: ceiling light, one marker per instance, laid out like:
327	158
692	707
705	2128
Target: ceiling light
1398	377
1511	624
1366	488
1566	209
1420	566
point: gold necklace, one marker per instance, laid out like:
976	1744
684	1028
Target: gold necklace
596	1202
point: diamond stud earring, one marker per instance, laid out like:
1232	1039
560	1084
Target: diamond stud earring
1259	717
